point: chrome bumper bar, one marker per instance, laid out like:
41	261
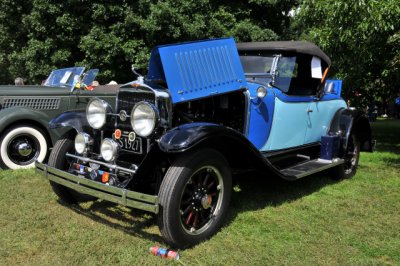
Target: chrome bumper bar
108	165
86	186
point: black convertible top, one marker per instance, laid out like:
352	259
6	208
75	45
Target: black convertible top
302	47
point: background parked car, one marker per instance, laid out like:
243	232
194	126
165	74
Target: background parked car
26	110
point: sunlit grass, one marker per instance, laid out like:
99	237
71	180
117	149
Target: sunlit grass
311	221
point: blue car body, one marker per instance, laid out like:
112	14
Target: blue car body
206	107
205	69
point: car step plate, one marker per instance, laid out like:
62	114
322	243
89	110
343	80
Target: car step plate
310	167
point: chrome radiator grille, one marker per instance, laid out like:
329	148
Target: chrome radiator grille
34	103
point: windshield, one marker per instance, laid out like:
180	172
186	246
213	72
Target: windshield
89	76
257	69
66	77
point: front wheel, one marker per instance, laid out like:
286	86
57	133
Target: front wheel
21	146
58	160
194	197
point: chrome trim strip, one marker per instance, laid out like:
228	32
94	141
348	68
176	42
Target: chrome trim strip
247	112
111	166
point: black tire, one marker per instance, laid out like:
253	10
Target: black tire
351	157
200	183
21	145
58	160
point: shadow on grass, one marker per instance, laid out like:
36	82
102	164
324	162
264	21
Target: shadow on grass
130	221
256	191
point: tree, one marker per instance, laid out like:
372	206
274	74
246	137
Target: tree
362	38
41	35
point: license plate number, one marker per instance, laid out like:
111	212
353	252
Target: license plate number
132	146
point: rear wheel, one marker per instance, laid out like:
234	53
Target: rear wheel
194	198
351	157
58	160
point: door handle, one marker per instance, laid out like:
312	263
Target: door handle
309	111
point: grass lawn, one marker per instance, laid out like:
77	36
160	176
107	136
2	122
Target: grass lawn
311	221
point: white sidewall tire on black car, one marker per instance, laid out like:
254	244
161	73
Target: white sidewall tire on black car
31	132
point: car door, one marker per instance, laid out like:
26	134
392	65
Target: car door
320	112
289	121
293	96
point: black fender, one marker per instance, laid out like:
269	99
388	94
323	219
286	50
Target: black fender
74	119
347	121
237	149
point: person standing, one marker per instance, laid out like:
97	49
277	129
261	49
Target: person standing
19	81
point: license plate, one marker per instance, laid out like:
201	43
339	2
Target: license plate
132	146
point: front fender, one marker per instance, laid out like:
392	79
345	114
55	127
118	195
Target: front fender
187	136
13	114
74	119
347	121
237	149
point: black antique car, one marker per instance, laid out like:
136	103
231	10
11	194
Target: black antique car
25	112
207	107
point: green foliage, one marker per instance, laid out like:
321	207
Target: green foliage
362	37
41	35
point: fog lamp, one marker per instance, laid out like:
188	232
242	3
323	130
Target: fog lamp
109	150
83	142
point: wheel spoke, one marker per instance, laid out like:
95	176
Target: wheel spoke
186	211
196	218
206	179
189	218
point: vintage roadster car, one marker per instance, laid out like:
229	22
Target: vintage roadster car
25	112
206	108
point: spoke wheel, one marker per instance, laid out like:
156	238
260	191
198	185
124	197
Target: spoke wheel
201	200
194	197
351	157
58	160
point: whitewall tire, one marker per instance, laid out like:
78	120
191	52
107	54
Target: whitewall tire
21	146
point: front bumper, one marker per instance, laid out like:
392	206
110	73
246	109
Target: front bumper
86	186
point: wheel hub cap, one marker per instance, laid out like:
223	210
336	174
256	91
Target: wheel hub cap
206	201
24	149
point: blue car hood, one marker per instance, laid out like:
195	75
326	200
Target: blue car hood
198	69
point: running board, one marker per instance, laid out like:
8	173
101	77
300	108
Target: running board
310	167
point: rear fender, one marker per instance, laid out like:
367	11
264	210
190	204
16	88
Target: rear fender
347	121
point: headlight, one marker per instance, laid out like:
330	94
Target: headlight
83	142
144	117
109	150
96	111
